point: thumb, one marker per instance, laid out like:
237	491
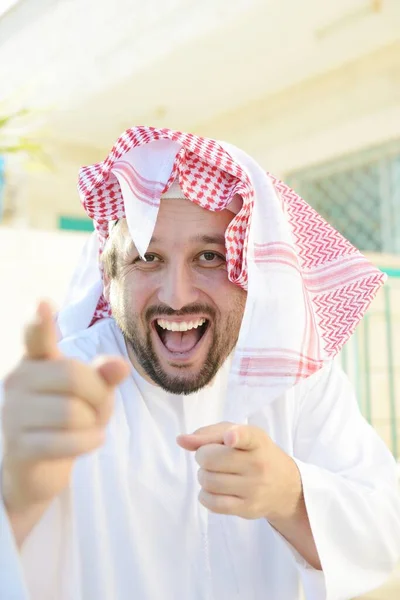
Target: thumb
113	370
40	336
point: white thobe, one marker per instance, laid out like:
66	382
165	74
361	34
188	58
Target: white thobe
130	525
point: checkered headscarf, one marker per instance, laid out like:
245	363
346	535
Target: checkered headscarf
307	286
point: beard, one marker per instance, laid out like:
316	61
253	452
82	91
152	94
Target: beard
223	340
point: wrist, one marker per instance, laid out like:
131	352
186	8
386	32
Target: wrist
16	503
289	508
22	514
291	520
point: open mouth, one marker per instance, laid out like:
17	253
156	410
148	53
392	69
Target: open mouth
181	337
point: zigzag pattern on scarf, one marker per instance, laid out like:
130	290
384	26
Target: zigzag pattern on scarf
340	311
317	242
338	282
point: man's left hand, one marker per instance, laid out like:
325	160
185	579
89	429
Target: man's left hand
244	473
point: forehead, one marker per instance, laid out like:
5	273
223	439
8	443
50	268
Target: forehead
181	221
184	212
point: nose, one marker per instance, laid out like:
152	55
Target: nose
177	288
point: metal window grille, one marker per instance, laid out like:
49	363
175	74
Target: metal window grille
359	195
371	359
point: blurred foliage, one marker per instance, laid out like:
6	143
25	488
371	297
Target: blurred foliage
17	137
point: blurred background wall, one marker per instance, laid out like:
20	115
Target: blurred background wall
311	89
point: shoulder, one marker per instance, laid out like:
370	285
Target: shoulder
101	338
326	389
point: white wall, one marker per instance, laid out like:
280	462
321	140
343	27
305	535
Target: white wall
33	265
338	113
98	67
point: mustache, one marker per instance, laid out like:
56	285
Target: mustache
161	310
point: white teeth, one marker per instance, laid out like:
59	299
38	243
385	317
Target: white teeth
181	326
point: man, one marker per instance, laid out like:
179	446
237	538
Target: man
217	451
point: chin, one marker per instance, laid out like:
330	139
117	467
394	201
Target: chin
183	379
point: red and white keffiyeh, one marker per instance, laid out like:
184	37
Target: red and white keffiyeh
307	286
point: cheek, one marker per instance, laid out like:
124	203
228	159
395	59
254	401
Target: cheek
236	300
133	292
228	296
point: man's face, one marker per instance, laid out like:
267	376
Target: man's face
178	312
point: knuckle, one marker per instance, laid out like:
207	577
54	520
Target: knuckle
199	457
203	457
208	500
203	499
201	477
259	465
206	480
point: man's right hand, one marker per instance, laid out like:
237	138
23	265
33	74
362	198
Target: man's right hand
55	409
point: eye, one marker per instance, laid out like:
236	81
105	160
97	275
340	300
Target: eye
151	258
148	259
211	259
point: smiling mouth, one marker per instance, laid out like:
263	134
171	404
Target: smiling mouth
181	342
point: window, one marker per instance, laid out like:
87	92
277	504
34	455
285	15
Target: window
359	195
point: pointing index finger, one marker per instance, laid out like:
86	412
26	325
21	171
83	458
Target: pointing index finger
210	434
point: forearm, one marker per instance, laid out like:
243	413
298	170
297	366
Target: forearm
22	518
22	523
292	520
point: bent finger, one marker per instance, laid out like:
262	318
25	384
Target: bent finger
225	484
224	505
50	411
49	445
221	459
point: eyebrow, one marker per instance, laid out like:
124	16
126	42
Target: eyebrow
217	239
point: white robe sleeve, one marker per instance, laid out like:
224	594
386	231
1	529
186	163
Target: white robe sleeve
46	567
351	492
43	569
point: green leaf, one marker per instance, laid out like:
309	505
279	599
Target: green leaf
6	120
